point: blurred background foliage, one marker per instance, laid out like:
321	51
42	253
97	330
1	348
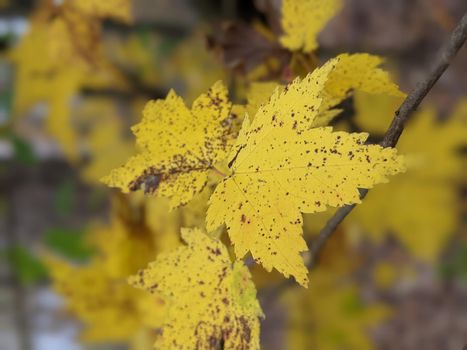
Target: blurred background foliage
74	77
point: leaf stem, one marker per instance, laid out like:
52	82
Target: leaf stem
218	172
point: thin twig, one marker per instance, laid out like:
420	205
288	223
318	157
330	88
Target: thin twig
392	135
410	104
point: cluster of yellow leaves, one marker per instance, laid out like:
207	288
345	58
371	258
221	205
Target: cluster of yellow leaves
419	206
66	40
97	292
210	302
44	81
283	163
40	81
302	20
330	315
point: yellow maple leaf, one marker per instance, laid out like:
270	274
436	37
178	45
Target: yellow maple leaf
356	72
419	206
179	146
209	301
302	20
281	168
330	315
352	73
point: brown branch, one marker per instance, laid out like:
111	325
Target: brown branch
392	135
410	104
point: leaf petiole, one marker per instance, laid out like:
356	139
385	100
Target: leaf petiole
218	172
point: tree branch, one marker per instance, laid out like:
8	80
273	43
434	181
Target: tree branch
392	135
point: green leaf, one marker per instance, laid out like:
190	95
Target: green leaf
26	266
68	243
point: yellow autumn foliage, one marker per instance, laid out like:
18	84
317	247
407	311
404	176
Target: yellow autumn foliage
210	301
54	82
358	72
